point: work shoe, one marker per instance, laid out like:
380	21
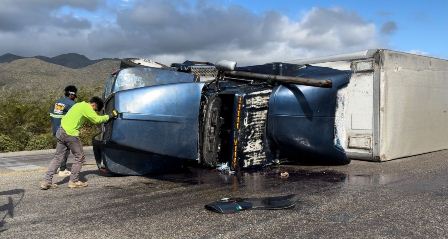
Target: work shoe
77	184
46	186
64	173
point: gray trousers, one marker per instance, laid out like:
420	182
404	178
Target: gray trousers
64	144
64	161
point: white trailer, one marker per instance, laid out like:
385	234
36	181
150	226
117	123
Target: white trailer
395	105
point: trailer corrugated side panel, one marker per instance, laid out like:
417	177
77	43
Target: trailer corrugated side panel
413	104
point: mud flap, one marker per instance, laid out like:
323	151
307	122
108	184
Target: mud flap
233	205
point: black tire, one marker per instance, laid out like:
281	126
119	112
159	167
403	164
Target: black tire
211	138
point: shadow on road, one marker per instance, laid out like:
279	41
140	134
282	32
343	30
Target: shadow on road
8	208
82	176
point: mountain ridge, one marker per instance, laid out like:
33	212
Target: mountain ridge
37	79
70	60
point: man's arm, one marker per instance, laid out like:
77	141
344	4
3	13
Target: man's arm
93	117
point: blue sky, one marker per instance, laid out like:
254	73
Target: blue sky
247	30
421	25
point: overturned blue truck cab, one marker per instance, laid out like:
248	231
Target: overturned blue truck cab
245	116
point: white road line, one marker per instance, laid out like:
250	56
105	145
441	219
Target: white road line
24	167
6	160
15	165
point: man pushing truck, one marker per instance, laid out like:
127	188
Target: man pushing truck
68	139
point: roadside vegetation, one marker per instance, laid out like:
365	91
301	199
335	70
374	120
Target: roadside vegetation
29	87
25	121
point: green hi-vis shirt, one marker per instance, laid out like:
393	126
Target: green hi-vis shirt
77	115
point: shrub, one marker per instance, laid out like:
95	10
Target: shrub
7	144
87	132
25	122
41	141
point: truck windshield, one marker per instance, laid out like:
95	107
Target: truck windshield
136	77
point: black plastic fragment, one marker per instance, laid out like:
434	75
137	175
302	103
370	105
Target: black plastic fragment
233	205
229	205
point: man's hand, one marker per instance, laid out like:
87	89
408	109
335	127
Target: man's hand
113	115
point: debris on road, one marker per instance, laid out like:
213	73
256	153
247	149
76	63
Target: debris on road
233	205
224	168
284	175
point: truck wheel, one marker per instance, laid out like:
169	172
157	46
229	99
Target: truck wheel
211	139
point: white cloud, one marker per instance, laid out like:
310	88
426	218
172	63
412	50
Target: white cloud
170	31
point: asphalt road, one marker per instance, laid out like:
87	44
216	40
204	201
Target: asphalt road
405	198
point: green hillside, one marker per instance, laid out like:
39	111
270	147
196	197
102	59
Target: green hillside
28	87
